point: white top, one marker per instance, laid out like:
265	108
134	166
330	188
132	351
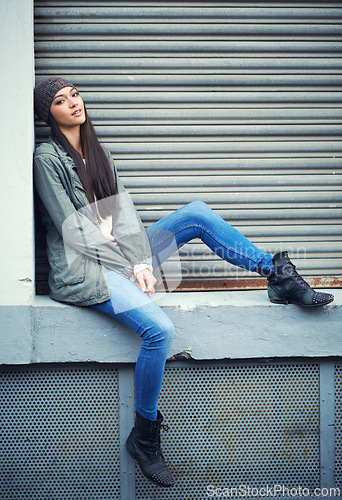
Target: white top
106	229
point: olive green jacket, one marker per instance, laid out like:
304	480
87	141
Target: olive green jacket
77	250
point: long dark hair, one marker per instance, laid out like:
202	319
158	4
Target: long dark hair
96	176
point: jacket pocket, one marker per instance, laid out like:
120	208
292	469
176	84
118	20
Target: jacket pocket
64	274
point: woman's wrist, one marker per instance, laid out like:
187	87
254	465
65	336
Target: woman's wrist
140	267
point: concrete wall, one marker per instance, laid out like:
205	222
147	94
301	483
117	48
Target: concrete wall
209	326
16	144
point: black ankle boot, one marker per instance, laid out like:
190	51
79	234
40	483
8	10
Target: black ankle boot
285	285
143	444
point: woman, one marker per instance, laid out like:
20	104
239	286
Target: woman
101	256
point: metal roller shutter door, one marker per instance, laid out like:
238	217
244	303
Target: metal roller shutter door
234	103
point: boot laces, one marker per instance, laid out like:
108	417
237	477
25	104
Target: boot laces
155	439
290	270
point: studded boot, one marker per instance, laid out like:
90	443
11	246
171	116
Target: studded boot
285	285
143	444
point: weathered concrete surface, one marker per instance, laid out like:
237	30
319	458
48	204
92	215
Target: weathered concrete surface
16	334
211	325
16	146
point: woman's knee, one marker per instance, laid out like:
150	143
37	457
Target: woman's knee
168	331
199	212
160	332
197	206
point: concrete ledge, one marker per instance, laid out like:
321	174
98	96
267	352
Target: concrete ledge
210	325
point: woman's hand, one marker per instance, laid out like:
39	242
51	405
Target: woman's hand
146	281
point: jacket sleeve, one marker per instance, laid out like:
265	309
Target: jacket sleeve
77	230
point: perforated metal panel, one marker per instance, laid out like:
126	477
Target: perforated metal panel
338	426
251	425
232	425
59	434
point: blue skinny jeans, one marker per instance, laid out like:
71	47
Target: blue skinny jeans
129	305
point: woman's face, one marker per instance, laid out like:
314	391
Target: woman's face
67	108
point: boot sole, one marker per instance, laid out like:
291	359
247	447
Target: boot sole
274	301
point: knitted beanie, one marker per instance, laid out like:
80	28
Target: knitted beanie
44	93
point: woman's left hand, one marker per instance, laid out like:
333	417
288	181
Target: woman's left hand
146	281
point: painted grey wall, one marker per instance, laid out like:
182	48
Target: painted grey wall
16	145
211	325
